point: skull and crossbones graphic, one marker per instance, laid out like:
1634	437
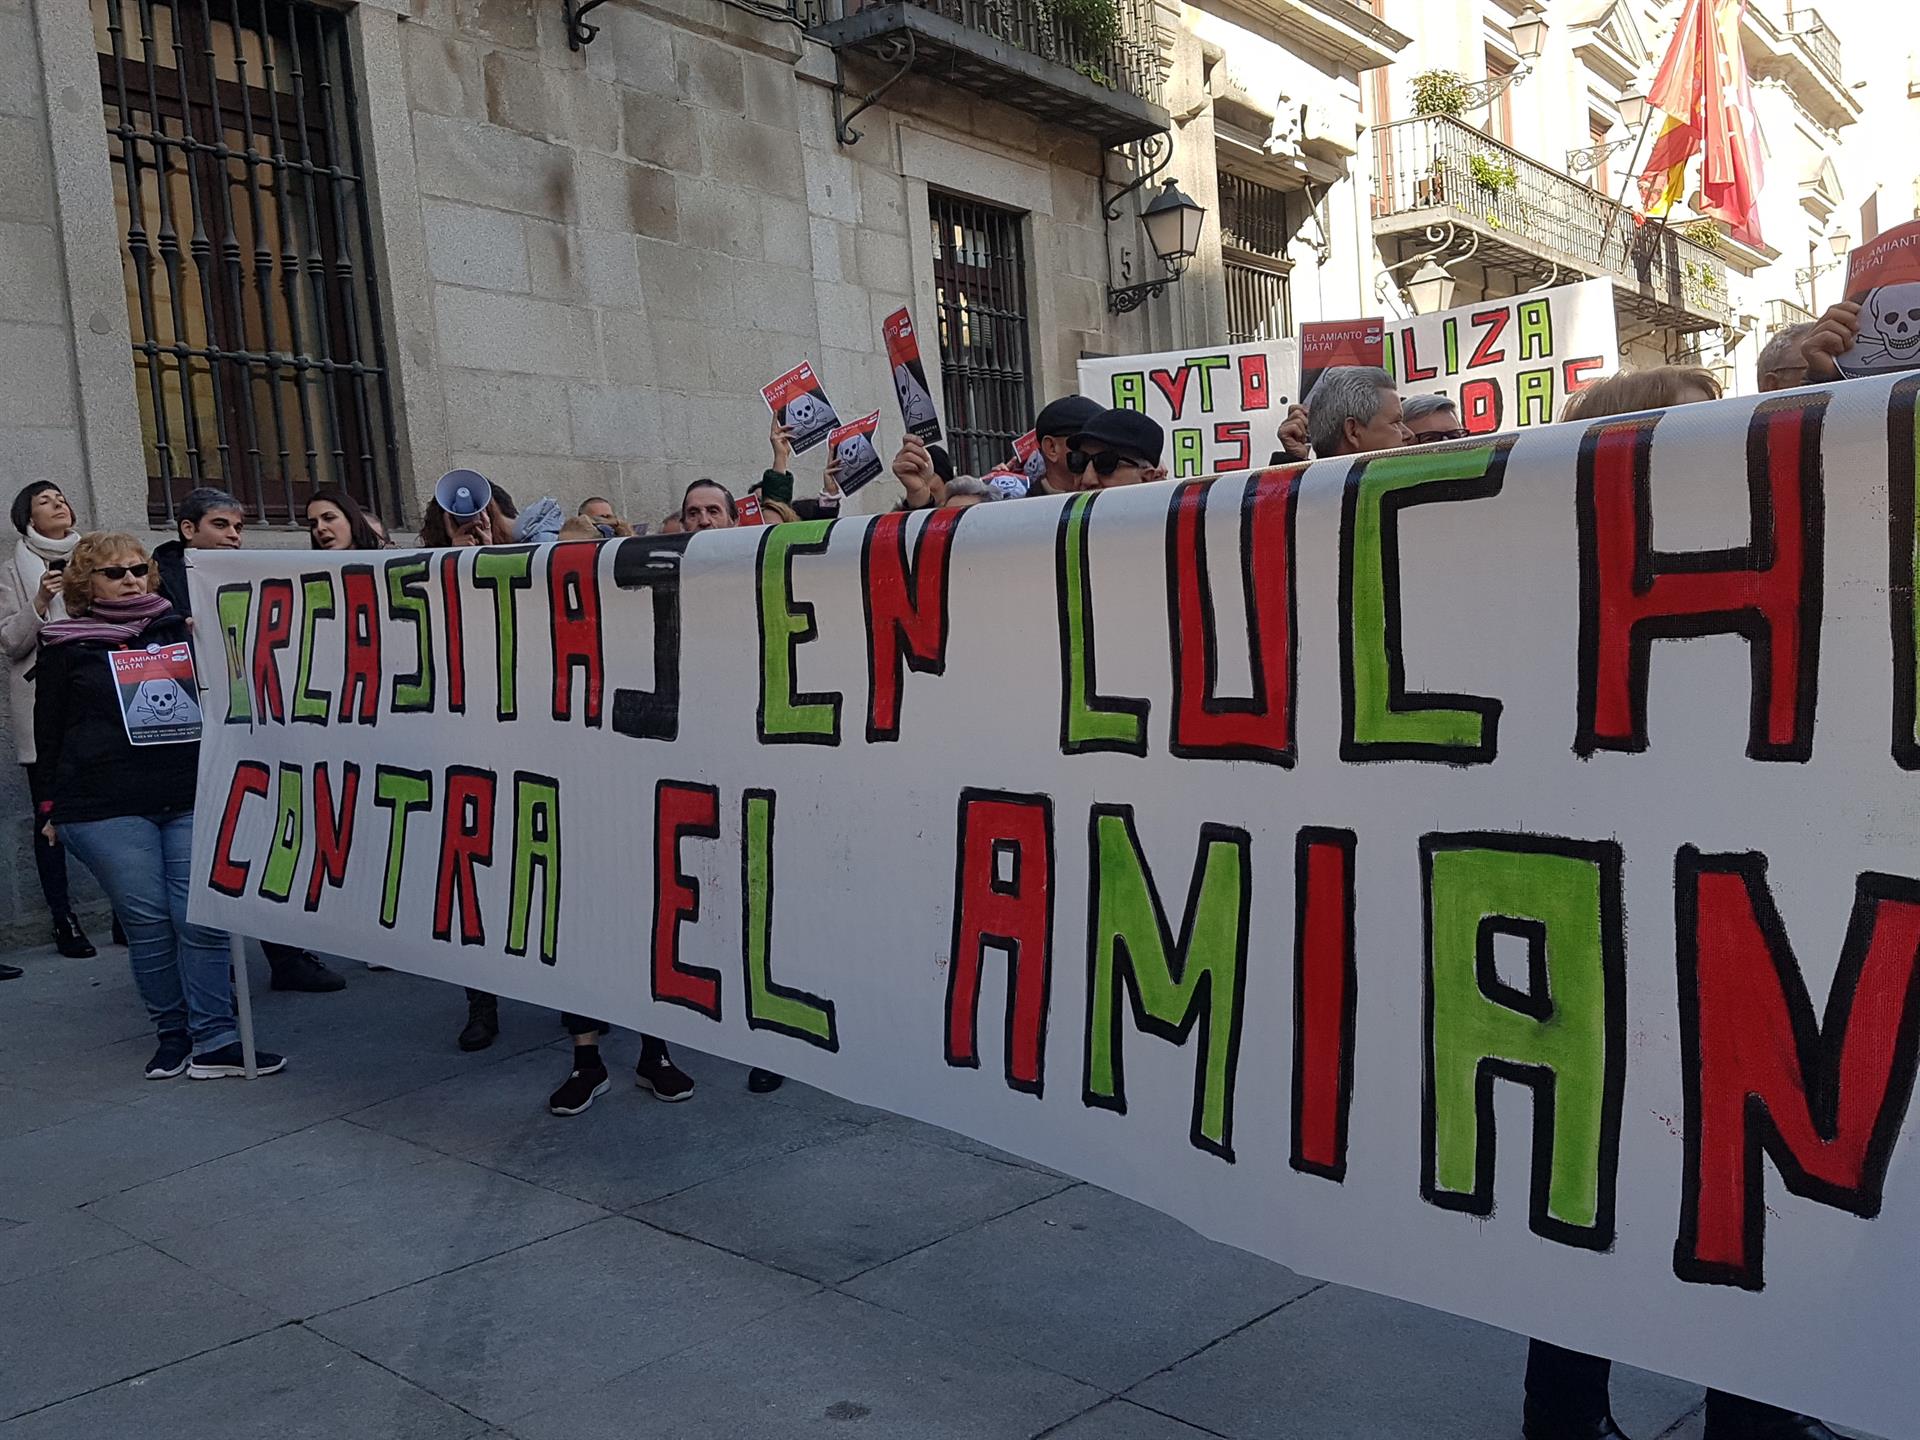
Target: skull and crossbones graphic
158	703
1889	328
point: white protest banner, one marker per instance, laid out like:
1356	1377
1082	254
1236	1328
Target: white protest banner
159	699
1221	407
1488	874
1509	363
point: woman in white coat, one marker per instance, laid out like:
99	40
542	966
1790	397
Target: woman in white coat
29	598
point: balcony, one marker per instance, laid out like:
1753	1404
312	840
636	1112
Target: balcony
1784	314
1022	53
1799	48
1822	46
1435	172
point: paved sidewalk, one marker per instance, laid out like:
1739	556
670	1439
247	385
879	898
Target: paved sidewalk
396	1240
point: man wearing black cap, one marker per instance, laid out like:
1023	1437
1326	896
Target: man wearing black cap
1116	447
1053	429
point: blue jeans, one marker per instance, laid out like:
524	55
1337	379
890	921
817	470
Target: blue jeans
145	864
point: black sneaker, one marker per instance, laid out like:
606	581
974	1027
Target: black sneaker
303	971
70	940
170	1059
227	1060
11	972
764	1082
579	1090
657	1072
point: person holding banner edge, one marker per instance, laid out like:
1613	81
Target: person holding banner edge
127	810
211	519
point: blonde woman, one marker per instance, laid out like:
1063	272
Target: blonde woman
29	598
127	811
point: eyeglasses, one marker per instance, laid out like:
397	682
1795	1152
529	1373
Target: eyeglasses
1104	464
120	572
1432	435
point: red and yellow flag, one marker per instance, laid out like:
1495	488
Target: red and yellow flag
1703	91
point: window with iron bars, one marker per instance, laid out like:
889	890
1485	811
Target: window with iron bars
1255	227
980	287
258	358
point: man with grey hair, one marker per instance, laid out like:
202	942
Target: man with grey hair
1431	417
1782	366
1355	409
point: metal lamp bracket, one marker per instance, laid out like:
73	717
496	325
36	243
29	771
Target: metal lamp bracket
1157	151
579	33
903	51
1440	239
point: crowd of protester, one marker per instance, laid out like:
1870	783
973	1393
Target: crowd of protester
127	813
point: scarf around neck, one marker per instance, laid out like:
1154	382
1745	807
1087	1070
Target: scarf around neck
47	548
114	621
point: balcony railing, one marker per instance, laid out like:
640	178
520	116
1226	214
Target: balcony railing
1436	169
1022	52
1784	313
1821	44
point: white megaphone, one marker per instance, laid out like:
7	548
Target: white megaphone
463	494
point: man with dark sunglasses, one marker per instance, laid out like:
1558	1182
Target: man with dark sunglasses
1053	431
1431	417
1116	447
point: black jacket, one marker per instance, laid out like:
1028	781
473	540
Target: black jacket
96	773
172	560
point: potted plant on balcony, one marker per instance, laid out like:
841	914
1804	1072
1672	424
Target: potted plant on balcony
1439	92
1703	232
1091	28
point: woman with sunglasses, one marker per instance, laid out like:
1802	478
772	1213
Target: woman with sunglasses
29	598
127	810
335	521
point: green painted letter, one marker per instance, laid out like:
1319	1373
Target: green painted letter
1559	1028
289	830
402	792
1199	980
536	847
1088	719
771	1006
786	715
1381	719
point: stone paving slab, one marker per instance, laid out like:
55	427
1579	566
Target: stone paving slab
288	1384
1086	1283
526	1330
628	1149
834	1210
360	1240
72	1329
831	1366
30	1247
113	1149
308	1162
1115	1420
1342	1364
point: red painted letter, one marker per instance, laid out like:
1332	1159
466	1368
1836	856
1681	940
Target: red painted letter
1207	726
1825	1102
1767	590
573	581
360	676
229	876
269	638
906	610
1323	1000
466	840
1003	898
680	810
332	829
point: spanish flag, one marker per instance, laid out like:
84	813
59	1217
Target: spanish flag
1703	91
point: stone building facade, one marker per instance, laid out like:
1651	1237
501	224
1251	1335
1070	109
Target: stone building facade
271	244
